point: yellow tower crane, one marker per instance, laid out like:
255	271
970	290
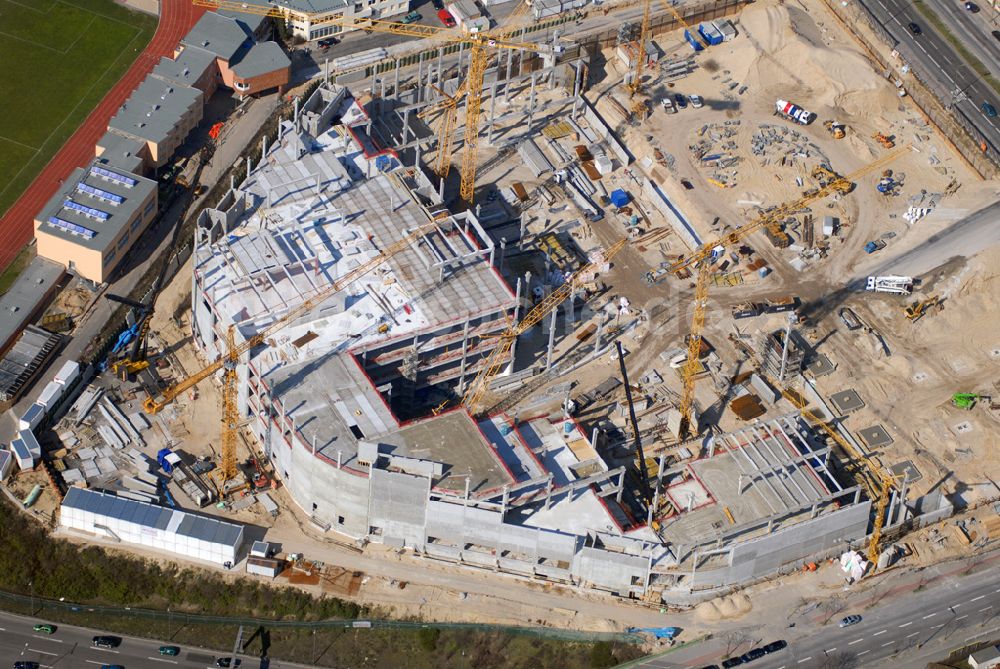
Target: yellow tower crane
228	361
498	356
635	86
702	258
481	45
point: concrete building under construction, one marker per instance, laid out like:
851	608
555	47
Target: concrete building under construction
340	399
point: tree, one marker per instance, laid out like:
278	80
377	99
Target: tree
734	639
831	607
839	660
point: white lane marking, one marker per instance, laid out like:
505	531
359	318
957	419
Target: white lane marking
45	638
986	608
914	634
863	652
961	617
43	652
976	599
929	615
855	641
829	650
888	644
94	662
877	633
160	659
805	659
906	624
105	650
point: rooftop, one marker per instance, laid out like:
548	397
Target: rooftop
154	109
188	67
21	299
154	517
93	205
304	6
261	59
221	35
121	152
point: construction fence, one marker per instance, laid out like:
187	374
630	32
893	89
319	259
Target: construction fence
66	611
952	121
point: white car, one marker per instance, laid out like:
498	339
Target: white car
697	102
668	106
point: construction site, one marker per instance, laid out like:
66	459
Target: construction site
574	314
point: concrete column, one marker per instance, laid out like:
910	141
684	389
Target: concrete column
517	315
506	81
465	352
524	231
263	147
548	492
552	340
406	126
416	157
441	67
503	252
420	77
493	107
600	333
249	166
441	183
621	487
813	510
577	87
571	309
395	82
531	101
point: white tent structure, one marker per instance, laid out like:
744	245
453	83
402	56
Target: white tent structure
185	534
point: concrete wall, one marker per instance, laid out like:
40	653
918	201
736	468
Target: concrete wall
764	556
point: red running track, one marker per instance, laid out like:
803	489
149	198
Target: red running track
16	226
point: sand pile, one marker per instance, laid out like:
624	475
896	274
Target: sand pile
800	64
723	608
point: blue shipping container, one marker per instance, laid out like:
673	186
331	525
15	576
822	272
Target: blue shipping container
711	34
695	44
619	198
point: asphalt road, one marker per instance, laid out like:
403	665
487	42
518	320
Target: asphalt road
931	55
903	631
975	27
70	648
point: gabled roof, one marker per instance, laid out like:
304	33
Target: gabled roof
220	35
260	59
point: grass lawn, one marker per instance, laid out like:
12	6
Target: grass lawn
60	58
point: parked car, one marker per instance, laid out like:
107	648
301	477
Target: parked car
996	35
25	665
225	662
972	7
775	646
680	101
914	28
753	654
687	184
850	620
112	666
106	642
446	18
697	102
170	650
668	106
412	17
732	662
327	42
437	4
45	628
989	110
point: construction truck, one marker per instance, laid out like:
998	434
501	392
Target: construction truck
915	311
885	140
873	246
965	400
835	128
894	285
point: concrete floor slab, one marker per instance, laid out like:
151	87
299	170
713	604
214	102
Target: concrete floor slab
906	471
875	436
847	401
820	366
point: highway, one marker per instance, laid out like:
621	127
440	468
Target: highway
933	58
975	29
70	648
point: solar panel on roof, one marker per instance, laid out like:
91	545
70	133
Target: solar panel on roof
87	211
99	193
72	227
113	176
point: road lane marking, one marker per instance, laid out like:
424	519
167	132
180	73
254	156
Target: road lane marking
46	638
863	652
976	599
805	659
160	659
43	652
906	624
914	634
929	615
961	617
877	633
986	608
888	644
93	662
855	641
829	650
105	650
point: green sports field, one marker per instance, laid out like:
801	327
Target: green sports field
59	59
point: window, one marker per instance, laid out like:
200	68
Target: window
340	520
149	207
135	224
123	241
110	256
357	7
